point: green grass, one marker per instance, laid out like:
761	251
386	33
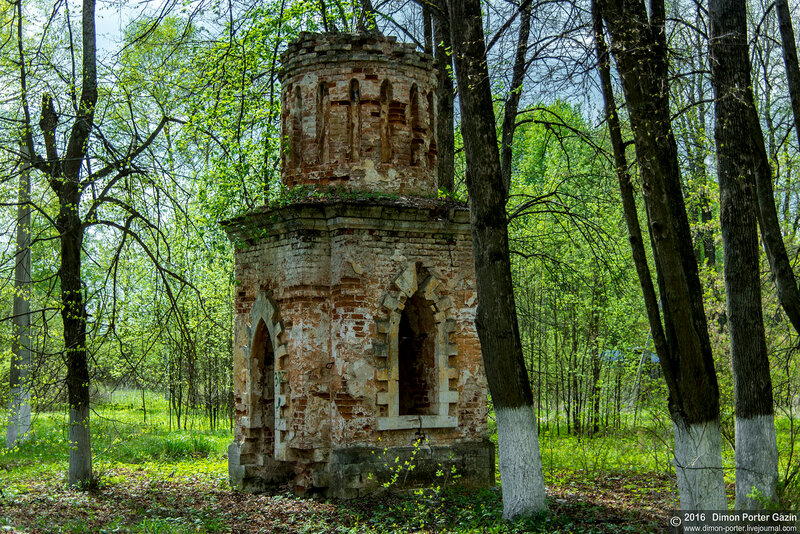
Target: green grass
121	437
160	461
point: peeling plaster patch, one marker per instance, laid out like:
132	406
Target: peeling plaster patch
359	376
357	268
465	377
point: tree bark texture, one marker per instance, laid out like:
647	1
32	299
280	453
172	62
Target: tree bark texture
19	423
496	321
790	59
68	189
626	189
737	164
445	102
780	265
515	92
638	42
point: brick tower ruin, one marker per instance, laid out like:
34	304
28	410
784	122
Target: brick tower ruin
354	333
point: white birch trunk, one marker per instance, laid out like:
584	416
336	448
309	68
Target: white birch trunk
19	420
520	462
80	453
698	466
756	462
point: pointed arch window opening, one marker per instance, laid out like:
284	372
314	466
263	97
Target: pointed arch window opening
262	376
416	358
266	390
418	352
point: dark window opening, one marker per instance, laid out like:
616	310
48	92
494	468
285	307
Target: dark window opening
263	388
416	358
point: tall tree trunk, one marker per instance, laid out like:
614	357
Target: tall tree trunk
706	213
785	282
19	423
515	92
640	48
73	315
737	161
790	59
427	28
445	102
496	322
65	180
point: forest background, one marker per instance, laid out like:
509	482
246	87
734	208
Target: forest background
185	133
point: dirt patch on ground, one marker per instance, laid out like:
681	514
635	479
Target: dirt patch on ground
135	501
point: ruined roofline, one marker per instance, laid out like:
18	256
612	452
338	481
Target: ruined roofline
338	48
398	213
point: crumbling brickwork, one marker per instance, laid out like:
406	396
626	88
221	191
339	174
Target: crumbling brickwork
354	327
358	113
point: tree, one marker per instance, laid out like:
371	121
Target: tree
19	423
737	133
515	92
64	174
445	101
496	320
790	60
638	42
84	184
768	221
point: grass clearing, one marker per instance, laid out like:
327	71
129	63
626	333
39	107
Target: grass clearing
153	479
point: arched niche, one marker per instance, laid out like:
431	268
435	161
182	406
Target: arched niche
322	121
267	389
414	354
386	129
354	121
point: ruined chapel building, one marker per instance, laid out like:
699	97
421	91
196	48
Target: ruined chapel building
354	332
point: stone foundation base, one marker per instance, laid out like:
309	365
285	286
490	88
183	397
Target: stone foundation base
358	471
256	478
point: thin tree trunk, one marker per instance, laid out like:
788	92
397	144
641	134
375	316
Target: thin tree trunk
496	321
790	59
427	26
445	102
737	161
515	92
639	45
19	423
70	227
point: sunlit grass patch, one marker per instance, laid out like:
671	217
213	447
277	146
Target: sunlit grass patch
121	437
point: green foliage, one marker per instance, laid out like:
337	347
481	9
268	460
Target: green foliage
233	136
582	321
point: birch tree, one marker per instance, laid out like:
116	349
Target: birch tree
19	423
